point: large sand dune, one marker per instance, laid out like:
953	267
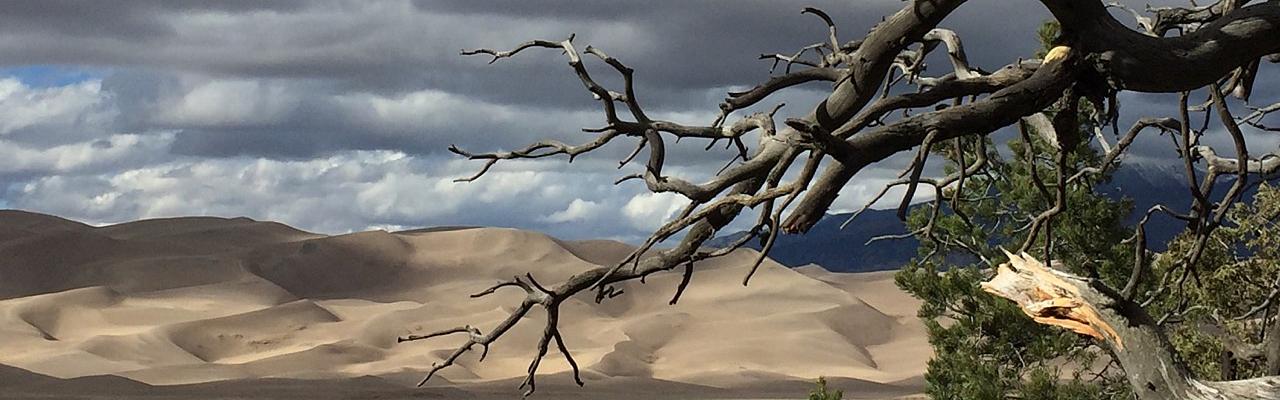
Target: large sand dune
212	307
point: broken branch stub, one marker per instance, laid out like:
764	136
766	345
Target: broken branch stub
1043	295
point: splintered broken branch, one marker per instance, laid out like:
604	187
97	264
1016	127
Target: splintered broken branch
1090	308
1045	296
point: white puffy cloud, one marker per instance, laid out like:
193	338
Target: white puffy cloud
454	116
234	102
578	210
57	115
343	192
855	197
110	152
648	211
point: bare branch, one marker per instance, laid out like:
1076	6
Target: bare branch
1266	302
955	51
978	164
497	55
917	166
945	90
831	26
545	148
1254	119
981	117
1164	124
1267	165
1242	154
740	100
793	59
842	127
1144	22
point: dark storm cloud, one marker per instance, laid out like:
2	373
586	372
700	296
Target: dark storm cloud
679	48
124	20
685	43
335	115
127	19
686	55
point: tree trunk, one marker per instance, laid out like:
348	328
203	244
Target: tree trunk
1227	365
1089	307
1272	348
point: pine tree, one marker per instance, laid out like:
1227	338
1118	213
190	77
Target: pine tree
821	392
985	347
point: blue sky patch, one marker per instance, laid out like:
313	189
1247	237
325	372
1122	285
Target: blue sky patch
44	76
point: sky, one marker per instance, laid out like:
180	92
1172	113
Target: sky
336	116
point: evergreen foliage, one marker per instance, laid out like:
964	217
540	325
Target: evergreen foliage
820	391
986	348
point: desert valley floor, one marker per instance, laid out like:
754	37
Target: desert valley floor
217	308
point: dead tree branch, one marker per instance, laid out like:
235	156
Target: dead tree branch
851	129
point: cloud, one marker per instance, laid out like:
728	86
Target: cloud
335	115
53	115
231	103
578	211
342	192
115	151
648	211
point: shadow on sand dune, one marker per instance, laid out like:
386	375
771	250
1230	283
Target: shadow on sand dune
235	308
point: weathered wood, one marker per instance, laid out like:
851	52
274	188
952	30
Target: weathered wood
1088	307
1130	59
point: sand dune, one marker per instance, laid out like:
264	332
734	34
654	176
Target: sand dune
195	304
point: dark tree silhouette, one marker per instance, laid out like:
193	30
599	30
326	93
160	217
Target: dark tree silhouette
1216	47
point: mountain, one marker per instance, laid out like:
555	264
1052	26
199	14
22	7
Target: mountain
845	250
1148	185
842	250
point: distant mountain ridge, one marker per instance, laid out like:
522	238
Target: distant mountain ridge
840	250
846	250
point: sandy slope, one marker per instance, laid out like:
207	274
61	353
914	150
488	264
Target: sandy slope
198	302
